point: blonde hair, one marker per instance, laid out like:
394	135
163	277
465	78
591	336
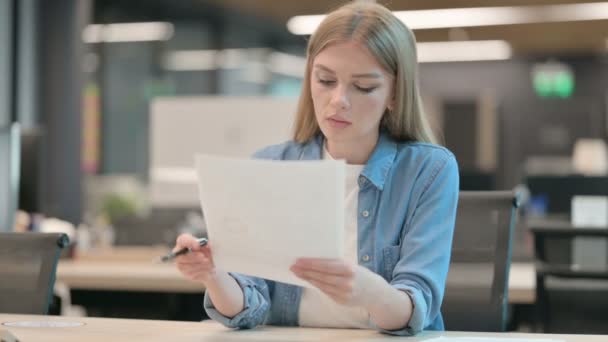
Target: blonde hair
394	47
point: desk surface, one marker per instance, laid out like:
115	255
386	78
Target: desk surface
110	329
133	269
124	269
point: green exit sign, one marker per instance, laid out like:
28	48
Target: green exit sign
553	79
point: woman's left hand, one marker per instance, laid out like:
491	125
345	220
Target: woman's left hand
345	283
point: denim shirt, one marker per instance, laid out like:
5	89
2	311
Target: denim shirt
407	209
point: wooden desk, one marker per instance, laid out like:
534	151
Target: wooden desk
124	276
132	269
106	329
124	269
522	283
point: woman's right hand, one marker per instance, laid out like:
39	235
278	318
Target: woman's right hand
196	265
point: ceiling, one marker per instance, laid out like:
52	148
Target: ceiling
563	38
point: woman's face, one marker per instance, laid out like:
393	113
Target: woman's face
350	92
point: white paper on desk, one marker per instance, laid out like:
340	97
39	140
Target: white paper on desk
490	339
262	215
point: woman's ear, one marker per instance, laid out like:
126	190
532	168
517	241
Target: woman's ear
391	104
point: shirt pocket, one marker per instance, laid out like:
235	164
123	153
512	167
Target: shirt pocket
391	256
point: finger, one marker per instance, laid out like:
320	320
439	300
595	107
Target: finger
193	271
206	250
193	258
185	241
330	266
193	265
331	292
194	268
325	278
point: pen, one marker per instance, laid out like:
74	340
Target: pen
173	255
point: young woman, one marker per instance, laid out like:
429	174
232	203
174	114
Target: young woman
359	102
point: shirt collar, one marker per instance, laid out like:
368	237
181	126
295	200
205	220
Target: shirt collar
380	162
377	167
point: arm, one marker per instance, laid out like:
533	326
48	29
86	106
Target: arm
226	294
231	299
355	285
423	265
254	307
413	298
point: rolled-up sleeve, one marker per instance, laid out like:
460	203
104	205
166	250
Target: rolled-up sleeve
426	245
256	307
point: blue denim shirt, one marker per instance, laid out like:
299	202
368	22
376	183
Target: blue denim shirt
407	204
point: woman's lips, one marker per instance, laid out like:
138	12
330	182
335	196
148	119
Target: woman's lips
338	123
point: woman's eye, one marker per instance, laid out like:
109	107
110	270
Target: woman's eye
365	89
326	82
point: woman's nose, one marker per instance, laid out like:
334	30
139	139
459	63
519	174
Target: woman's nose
340	98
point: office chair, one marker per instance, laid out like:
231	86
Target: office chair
28	262
476	295
570	298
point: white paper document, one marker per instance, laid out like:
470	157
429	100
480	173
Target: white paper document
262	215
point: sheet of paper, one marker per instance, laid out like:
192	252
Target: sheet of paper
490	339
262	215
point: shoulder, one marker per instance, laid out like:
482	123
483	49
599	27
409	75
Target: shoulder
283	151
424	152
417	158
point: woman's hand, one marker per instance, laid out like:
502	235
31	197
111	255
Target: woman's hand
345	283
196	265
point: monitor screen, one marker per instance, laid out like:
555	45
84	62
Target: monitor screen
554	193
9	175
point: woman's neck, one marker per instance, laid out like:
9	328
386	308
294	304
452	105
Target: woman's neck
354	152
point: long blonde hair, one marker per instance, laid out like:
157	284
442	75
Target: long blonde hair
394	47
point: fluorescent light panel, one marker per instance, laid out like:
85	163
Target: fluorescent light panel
294	66
253	58
463	51
191	60
476	16
127	32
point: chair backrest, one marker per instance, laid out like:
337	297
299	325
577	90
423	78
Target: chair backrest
571	291
476	295
28	262
9	175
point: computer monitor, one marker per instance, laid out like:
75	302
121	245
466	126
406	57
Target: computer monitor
556	192
181	127
9	175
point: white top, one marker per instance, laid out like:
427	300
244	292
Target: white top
316	308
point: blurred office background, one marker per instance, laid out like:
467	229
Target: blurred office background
114	97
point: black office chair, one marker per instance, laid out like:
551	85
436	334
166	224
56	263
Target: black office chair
476	295
570	298
28	262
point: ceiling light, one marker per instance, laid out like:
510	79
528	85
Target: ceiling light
191	60
461	51
127	32
476	16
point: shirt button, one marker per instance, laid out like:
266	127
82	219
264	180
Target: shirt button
365	258
365	213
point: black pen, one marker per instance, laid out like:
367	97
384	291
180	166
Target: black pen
173	255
